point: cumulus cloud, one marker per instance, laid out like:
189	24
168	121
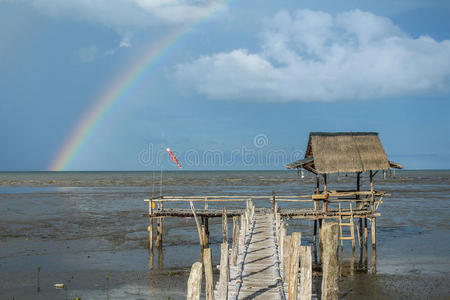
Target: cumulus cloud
128	13
315	56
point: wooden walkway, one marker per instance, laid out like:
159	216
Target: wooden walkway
259	270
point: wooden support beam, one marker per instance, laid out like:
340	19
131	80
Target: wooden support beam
305	273
294	257
194	285
209	281
330	265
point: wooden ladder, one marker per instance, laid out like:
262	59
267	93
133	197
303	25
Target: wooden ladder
351	224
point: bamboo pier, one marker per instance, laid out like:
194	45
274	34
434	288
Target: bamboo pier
263	261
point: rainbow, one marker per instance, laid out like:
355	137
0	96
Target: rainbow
87	126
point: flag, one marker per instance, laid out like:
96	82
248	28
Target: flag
172	156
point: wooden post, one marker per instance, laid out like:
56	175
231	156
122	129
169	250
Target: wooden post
224	271
294	257
320	240
273	201
194	285
199	228
209	284
235	245
159	232
150	234
325	190
330	266
374	234
242	238
206	240
315	231
306	273
285	257
206	203
317	184
224	225
365	232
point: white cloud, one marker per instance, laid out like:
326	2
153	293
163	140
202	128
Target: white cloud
120	14
314	56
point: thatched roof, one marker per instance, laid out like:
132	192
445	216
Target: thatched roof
332	152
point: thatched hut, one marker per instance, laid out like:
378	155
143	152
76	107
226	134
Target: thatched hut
346	152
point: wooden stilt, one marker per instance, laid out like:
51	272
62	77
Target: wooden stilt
209	284
365	232
224	225
159	232
374	234
294	257
206	241
306	272
360	233
330	265
150	234
194	285
315	231
235	245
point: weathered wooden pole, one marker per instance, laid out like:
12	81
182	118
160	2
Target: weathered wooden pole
206	240
235	245
305	273
159	232
365	232
285	257
224	225
374	233
224	271
315	231
209	284
330	266
194	285
294	257
150	234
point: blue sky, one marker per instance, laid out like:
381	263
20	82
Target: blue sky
241	90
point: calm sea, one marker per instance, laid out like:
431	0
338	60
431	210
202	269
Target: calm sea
91	223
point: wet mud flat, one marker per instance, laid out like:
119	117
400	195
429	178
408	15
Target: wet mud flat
86	230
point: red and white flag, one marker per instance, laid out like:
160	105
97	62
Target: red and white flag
172	156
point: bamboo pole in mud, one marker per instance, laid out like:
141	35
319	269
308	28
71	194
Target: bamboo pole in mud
294	256
194	285
306	273
235	245
209	284
224	225
330	265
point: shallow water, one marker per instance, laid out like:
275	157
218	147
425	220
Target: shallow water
89	225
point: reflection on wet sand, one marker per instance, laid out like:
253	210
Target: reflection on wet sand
347	262
151	258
